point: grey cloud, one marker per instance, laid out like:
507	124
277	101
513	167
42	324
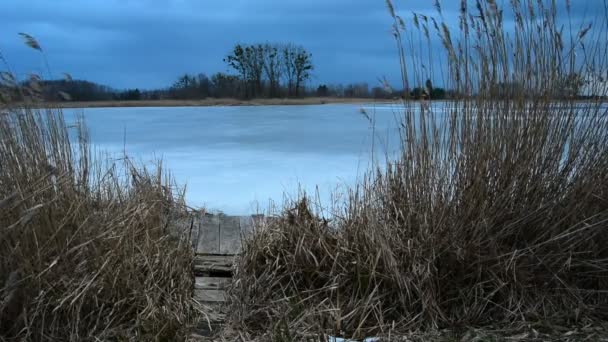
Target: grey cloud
147	43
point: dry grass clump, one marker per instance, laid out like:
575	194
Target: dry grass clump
88	250
495	213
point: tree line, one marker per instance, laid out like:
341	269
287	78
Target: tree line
220	85
262	70
271	70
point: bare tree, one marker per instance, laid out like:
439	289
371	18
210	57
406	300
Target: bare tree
297	65
272	68
237	60
260	63
255	59
288	53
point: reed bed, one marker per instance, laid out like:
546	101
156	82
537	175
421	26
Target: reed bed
495	214
88	246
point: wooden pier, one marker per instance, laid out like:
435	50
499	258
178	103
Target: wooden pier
216	240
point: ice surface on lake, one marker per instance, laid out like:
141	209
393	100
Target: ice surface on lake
235	159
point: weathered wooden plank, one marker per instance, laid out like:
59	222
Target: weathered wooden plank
230	235
222	234
206	269
211	283
185	225
219	234
213	263
214	258
209	241
210	296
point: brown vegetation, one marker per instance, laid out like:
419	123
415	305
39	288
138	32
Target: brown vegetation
88	248
495	214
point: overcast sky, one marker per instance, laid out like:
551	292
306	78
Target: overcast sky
148	43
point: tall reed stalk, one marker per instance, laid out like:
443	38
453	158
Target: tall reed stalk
496	211
88	249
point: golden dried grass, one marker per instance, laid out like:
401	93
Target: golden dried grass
89	248
495	212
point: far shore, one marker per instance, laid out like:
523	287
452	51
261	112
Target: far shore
209	102
212	102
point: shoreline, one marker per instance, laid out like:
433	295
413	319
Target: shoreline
213	102
210	102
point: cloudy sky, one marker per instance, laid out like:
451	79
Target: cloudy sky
147	43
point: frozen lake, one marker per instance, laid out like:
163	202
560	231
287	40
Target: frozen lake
235	159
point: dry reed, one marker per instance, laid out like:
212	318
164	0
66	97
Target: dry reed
494	214
88	247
